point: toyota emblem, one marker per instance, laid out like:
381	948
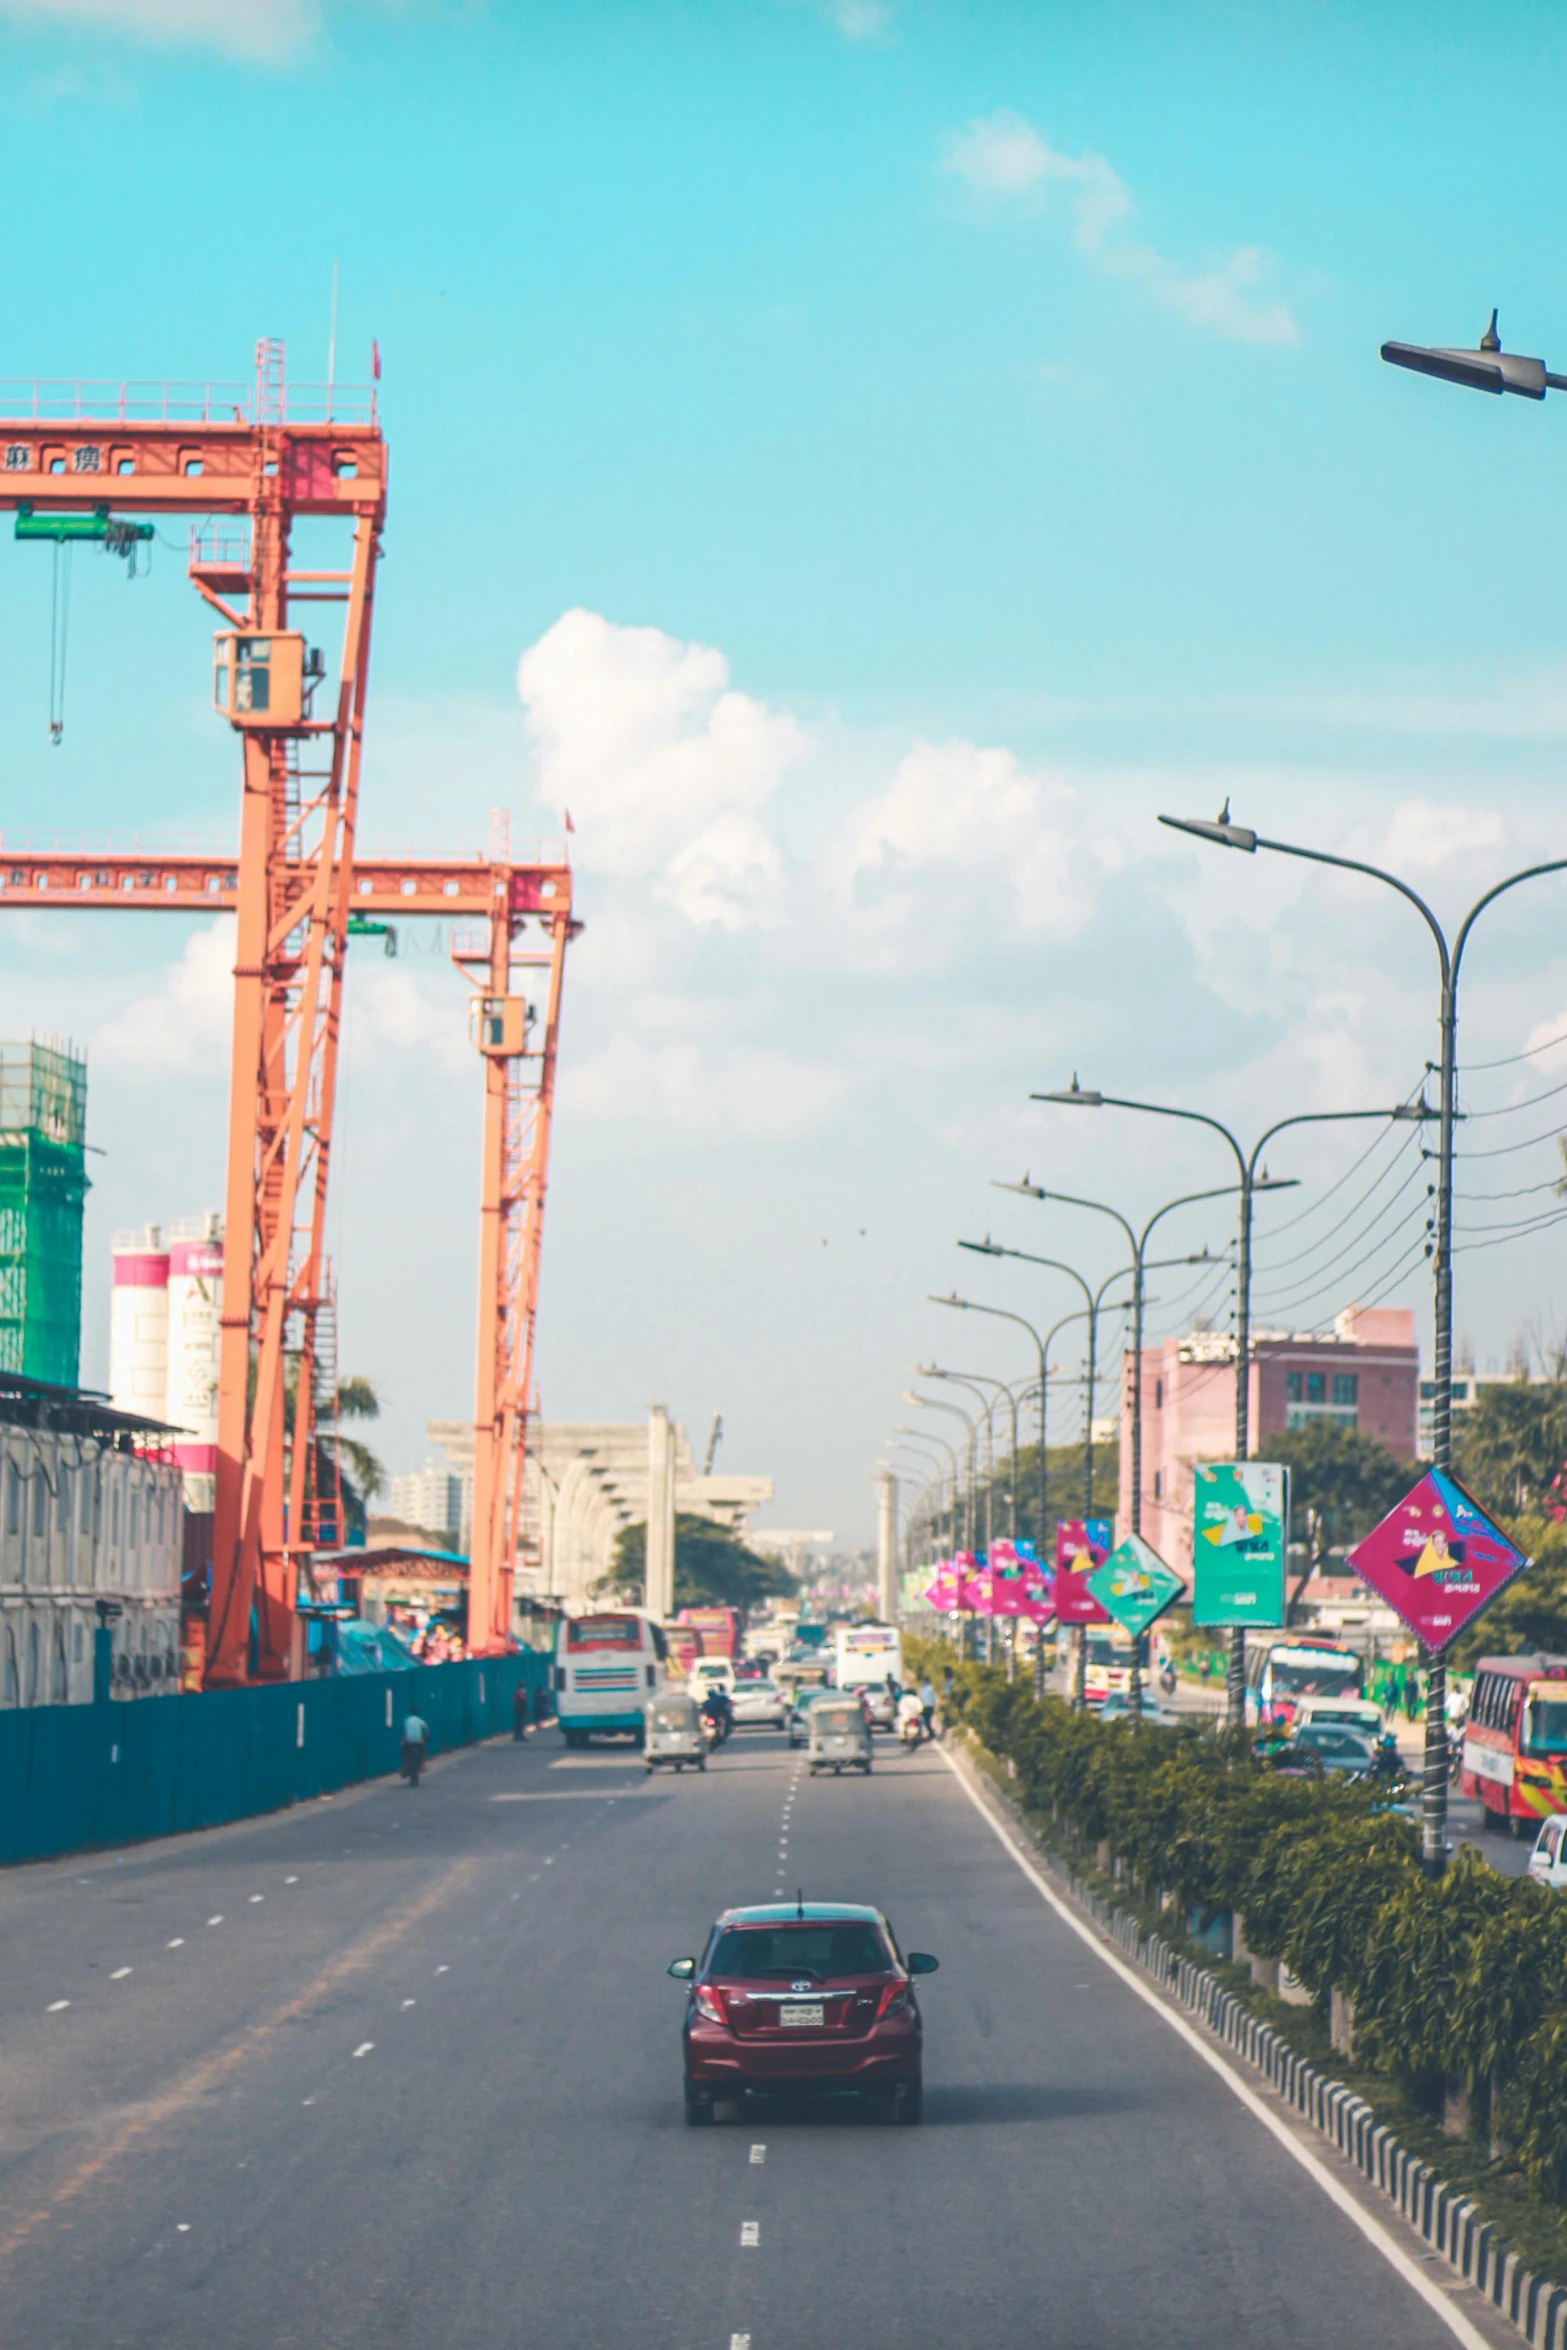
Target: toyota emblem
802	1986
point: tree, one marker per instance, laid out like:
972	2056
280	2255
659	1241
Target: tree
1510	1446
713	1567
1341	1485
343	1461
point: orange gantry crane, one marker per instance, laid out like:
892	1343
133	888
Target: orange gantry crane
244	463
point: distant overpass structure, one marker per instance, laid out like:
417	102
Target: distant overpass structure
790	1544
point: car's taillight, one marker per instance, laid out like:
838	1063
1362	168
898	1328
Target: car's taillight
706	2003
894	1998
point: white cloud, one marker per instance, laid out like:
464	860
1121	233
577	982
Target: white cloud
1004	159
966	836
863	20
664	768
1422	837
702	1089
260	30
183	1025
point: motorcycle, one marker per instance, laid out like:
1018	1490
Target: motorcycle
714	1731
1167	1679
911	1731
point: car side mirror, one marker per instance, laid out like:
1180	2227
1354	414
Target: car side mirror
682	1969
921	1963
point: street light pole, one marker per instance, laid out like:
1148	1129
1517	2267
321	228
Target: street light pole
913	1439
1001	1316
1078	1096
976	1381
1138	1244
1449	964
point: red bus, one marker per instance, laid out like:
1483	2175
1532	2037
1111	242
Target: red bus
718	1627
1515	1740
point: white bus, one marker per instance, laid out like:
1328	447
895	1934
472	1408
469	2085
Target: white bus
864	1654
607	1669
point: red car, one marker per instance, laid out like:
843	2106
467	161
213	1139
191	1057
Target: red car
813	1996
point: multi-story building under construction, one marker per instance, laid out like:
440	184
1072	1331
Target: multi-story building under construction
43	1186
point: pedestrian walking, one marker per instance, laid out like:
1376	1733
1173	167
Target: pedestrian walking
416	1742
519	1713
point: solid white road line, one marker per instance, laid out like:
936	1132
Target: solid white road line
1370	2227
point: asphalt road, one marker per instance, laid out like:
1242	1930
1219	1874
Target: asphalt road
400	2072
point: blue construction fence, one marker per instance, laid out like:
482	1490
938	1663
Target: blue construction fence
74	1776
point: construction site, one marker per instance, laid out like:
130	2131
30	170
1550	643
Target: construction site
224	1330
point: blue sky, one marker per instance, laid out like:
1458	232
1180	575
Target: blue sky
906	446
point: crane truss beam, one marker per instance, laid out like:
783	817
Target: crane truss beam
519	1101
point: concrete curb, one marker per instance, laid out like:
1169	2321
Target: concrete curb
1448	2221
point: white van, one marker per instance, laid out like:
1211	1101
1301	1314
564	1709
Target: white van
710	1672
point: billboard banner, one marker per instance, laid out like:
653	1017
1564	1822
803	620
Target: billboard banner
1240	1524
1082	1544
1437	1559
1134	1585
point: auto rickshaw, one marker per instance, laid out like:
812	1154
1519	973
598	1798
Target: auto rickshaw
838	1735
673	1732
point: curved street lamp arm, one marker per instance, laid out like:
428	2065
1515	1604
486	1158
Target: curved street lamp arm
1188	1199
993	1248
1113	1101
1529	873
1335	1117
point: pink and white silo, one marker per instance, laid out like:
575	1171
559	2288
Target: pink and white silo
195	1306
139	1324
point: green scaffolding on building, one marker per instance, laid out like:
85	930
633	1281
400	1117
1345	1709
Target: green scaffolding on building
43	1187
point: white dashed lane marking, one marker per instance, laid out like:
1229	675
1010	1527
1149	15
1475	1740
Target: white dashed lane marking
443	1970
364	2047
739	2342
409	2003
257	1897
291	1880
178	1943
217	1921
750	2232
55	2005
183	2225
759	2154
119	1974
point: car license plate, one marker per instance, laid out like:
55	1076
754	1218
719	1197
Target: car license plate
803	2014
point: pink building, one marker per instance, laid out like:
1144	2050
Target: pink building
1365	1376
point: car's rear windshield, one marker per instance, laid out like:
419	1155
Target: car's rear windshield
817	1954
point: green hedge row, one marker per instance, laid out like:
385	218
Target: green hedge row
1464	1979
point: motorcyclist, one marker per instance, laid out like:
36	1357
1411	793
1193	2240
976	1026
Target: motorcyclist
910	1710
719	1711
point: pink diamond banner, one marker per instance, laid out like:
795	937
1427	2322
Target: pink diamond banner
1437	1559
943	1589
1082	1545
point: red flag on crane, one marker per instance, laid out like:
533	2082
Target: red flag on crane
375	359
